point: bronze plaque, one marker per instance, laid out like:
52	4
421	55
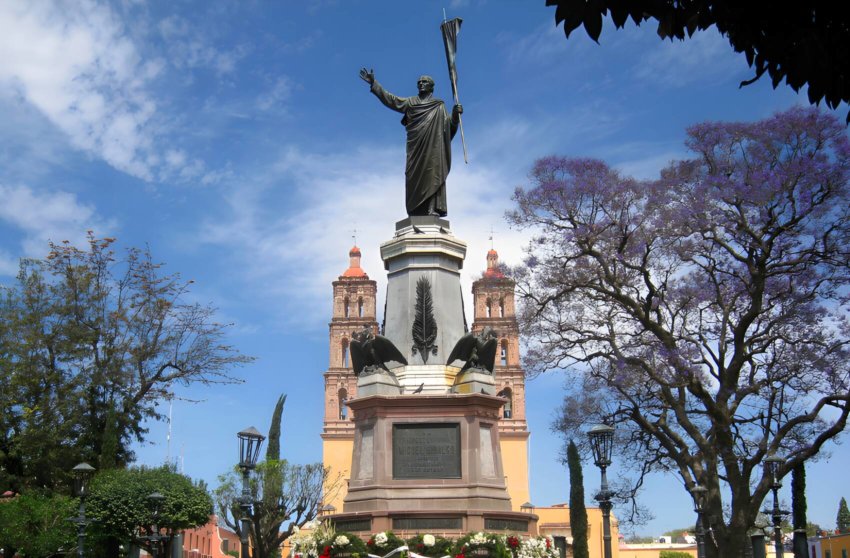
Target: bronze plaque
353	525
426	451
499	524
420	524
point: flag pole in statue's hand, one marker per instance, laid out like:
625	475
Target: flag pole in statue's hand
450	30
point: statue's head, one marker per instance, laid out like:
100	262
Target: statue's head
425	84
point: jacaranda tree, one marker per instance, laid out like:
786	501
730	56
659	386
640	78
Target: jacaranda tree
704	314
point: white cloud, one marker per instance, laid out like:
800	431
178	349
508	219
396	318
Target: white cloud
46	216
276	95
705	57
545	43
76	67
190	48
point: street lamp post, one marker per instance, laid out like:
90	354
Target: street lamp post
602	441
155	536
82	473
771	466
250	441
699	493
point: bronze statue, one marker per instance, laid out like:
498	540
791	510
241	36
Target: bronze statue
369	352
478	351
429	137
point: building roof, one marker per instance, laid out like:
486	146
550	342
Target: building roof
354	269
494	270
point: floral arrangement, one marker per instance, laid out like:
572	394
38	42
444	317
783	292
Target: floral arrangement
482	544
535	547
383	543
324	542
304	542
331	544
430	546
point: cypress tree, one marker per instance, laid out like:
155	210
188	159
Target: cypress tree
578	513
842	520
798	510
273	449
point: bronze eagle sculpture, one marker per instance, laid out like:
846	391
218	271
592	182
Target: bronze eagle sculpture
370	351
479	351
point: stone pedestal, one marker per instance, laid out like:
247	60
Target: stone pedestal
424	247
378	383
428	463
474	381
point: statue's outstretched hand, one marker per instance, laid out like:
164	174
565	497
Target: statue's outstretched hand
367	75
457	109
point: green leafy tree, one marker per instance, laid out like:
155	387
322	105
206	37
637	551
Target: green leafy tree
118	504
89	344
842	520
798	511
36	525
578	513
285	495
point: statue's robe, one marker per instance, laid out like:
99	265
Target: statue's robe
429	149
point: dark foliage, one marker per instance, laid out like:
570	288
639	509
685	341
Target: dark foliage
803	43
578	513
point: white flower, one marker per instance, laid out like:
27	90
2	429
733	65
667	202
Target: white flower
341	540
428	540
479	538
381	539
295	530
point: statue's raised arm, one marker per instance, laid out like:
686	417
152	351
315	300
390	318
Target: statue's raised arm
367	75
430	129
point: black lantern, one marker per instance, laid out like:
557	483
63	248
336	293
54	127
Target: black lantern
250	441
156	500
82	473
154	536
699	494
527	507
602	440
771	466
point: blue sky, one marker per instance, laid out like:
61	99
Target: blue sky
237	141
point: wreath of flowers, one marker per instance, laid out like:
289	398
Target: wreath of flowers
342	544
430	545
536	547
476	544
383	543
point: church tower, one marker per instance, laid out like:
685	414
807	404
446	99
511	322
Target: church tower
494	306
354	296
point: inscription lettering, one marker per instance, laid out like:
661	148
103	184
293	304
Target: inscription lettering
426	451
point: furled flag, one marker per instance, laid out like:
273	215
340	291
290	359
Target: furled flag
450	30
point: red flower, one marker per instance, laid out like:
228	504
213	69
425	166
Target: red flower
326	553
460	555
370	541
548	544
513	542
